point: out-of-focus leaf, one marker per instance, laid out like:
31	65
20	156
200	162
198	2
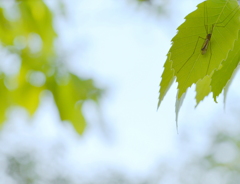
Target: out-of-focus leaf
66	101
226	88
35	34
178	105
27	95
70	96
31	36
4	101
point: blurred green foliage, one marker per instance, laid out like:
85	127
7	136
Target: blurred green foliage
157	7
217	162
27	32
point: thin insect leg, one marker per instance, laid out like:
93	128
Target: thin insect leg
235	10
212	28
191	54
205	17
209	58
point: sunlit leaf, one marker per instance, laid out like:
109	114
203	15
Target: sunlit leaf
216	17
226	88
167	80
223	75
178	105
203	88
204	51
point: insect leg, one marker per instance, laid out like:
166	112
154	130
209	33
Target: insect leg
191	54
234	12
205	17
209	58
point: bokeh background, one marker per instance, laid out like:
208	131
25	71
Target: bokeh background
79	85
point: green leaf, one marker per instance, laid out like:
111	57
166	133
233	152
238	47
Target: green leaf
70	95
167	80
220	18
228	85
30	36
203	88
178	105
66	98
223	75
205	51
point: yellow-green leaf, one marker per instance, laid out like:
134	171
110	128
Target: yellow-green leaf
205	51
178	105
167	79
191	60
203	88
223	75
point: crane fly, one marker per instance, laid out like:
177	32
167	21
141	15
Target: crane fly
207	40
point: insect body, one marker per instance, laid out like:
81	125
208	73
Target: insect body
206	43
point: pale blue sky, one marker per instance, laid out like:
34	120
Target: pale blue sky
126	49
